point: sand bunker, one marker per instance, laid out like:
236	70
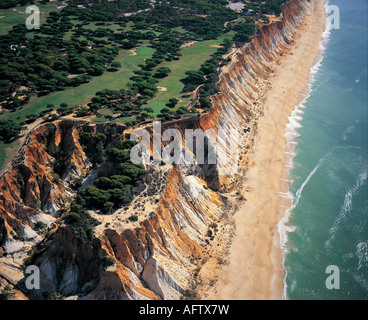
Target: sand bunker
188	44
162	89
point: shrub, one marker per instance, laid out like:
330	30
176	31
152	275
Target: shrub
133	218
108	207
121	179
6	293
3	231
131	170
165	110
82	112
85	137
73	217
95	197
9	130
107	262
172	103
205	103
20	178
40	225
116	65
100	137
118	155
162	72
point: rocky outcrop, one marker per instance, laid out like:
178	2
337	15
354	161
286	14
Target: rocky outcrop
160	255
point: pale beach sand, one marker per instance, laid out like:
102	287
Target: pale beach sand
255	267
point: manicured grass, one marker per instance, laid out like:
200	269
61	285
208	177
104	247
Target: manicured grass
180	30
3	157
123	120
11	17
8	152
100	119
105	112
82	94
192	58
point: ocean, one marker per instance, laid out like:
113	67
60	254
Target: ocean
327	224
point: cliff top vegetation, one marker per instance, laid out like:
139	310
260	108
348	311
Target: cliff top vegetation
123	61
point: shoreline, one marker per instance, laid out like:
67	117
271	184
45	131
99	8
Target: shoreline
255	270
291	132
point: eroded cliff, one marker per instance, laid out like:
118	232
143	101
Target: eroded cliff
183	213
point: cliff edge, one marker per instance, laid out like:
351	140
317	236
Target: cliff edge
183	222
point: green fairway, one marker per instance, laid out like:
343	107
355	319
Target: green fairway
3	148
100	119
8	152
192	58
105	112
123	120
13	16
170	87
82	94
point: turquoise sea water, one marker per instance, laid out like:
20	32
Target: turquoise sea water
328	222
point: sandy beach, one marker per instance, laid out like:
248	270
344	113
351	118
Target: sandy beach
255	268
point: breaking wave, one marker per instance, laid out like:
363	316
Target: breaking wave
291	135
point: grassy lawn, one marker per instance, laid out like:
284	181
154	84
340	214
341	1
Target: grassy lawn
105	112
192	58
8	152
82	94
11	17
100	119
3	156
123	120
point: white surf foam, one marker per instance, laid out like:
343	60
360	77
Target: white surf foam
350	130
291	135
347	206
362	254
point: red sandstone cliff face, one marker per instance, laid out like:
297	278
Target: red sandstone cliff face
159	256
29	188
